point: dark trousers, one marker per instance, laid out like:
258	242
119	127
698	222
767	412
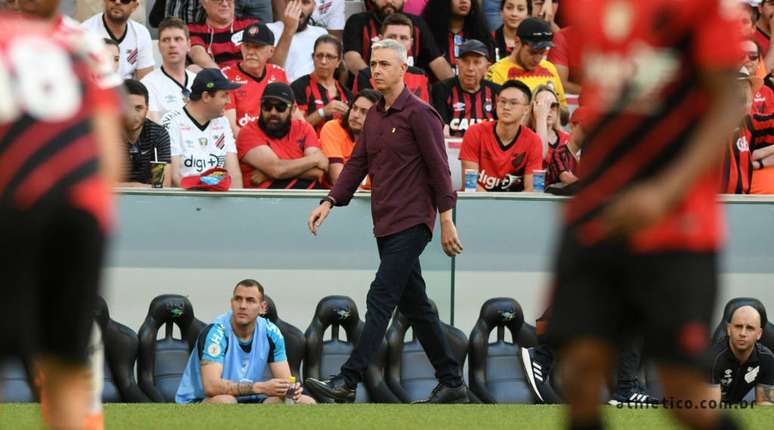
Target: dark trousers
399	283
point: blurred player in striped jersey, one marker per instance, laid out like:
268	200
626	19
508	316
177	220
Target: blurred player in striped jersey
58	140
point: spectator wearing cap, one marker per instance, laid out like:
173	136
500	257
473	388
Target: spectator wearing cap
278	151
504	152
170	85
319	95
452	22
362	29
740	363
200	136
466	99
528	63
563	162
134	40
399	27
338	136
512	12
254	72
145	140
295	38
215	42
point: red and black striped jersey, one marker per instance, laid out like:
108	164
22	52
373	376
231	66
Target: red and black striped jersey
362	29
460	109
501	49
221	43
415	80
311	96
643	63
47	96
737	162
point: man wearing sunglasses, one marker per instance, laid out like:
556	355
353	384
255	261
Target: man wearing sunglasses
277	151
133	38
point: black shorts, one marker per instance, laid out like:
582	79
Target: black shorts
50	261
608	293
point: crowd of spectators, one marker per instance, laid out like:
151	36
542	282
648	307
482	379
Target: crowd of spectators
461	55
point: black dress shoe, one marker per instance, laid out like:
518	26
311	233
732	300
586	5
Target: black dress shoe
333	389
446	394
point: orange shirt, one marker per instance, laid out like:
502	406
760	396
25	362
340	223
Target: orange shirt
337	145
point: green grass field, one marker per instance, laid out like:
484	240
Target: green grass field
346	417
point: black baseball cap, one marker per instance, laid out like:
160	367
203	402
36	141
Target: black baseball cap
536	33
258	34
473	46
212	80
280	91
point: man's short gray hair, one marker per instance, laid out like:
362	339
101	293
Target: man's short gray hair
396	46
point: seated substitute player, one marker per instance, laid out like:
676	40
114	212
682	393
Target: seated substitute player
229	360
466	99
338	136
504	152
399	27
200	137
254	72
741	364
278	151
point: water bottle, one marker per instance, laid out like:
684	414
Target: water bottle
538	181
289	400
471	180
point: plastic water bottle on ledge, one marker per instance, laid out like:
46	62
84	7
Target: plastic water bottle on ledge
289	400
471	180
539	181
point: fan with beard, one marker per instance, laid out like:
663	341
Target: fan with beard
277	130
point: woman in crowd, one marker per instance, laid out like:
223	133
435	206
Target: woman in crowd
319	95
453	22
513	12
545	120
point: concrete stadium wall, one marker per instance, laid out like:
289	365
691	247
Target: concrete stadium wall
200	244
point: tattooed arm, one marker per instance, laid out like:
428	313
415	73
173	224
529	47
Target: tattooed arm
214	385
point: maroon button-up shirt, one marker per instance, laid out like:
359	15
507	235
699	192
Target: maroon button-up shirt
403	151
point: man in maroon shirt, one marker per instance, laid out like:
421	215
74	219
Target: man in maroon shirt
402	148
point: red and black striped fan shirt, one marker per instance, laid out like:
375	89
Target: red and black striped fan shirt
460	109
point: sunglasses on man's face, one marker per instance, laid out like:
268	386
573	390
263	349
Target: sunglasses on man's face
123	2
280	107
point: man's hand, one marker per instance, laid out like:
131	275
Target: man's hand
297	391
322	160
547	13
273	387
318	216
257	177
639	207
292	16
335	106
449	239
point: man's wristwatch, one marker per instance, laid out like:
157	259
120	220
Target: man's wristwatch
330	200
321	112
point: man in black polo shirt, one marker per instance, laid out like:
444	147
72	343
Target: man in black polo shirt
740	363
145	140
466	99
363	28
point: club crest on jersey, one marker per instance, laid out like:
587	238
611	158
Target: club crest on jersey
752	374
131	55
742	145
236	39
488	105
203	141
220	141
458	107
